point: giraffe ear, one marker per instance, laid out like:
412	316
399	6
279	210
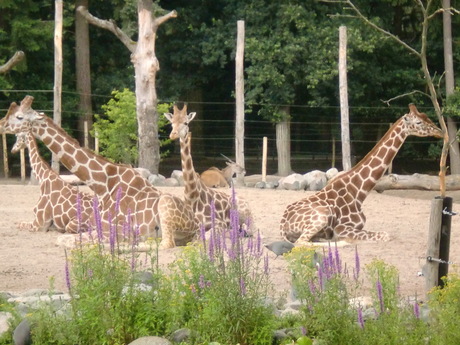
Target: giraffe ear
190	116
40	116
168	116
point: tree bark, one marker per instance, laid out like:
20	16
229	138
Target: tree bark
83	75
416	181
454	152
239	97
343	88
58	65
283	142
146	66
15	59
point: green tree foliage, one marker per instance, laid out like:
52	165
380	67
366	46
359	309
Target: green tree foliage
117	127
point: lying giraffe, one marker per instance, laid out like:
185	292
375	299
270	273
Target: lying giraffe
336	209
148	207
197	194
57	205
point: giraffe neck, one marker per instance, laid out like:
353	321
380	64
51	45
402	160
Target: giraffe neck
192	182
90	168
365	175
41	168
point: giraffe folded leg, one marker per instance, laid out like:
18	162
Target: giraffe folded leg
350	233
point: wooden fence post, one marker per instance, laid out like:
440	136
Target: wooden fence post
444	243
5	156
264	159
431	268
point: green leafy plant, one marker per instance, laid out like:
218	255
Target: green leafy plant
116	129
225	282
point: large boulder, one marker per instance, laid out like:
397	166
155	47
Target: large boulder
315	180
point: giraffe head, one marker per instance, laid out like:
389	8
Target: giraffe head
179	121
19	117
21	142
420	125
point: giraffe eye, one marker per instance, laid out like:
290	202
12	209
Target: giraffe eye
19	117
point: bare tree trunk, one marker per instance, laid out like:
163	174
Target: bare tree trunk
57	115
239	95
283	142
454	152
83	75
343	88
146	66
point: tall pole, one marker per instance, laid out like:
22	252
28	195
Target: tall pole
57	73
343	88
239	95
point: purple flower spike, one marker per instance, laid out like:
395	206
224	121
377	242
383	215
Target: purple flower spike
380	295
266	266
338	261
67	273
242	287
416	310
360	318
97	218
357	264
201	282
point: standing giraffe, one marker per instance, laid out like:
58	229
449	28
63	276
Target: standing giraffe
57	205
149	208
336	209
197	194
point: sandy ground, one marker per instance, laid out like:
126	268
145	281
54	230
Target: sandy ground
29	260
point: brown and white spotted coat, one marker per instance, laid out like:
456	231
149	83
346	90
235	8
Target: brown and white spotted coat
57	205
197	194
336	209
149	208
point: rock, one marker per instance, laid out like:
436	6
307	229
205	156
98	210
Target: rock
178	175
332	172
145	173
293	182
171	182
5	318
151	341
280	247
315	180
157	180
181	335
260	185
21	334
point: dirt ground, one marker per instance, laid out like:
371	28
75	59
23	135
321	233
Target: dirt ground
29	260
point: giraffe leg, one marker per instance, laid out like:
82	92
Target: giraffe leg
303	222
352	233
170	220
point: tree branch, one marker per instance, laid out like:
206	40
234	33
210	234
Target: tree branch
17	57
110	26
160	20
387	102
374	26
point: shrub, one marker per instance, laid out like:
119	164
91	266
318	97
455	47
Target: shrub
117	128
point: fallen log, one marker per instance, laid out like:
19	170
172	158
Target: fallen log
416	181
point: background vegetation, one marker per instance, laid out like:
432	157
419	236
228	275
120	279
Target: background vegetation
290	59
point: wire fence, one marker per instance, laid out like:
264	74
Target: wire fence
315	131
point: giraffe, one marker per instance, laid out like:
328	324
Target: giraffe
335	211
57	205
197	194
150	209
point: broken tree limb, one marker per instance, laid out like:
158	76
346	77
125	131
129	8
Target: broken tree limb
16	58
416	181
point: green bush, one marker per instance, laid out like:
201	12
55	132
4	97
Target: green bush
116	129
